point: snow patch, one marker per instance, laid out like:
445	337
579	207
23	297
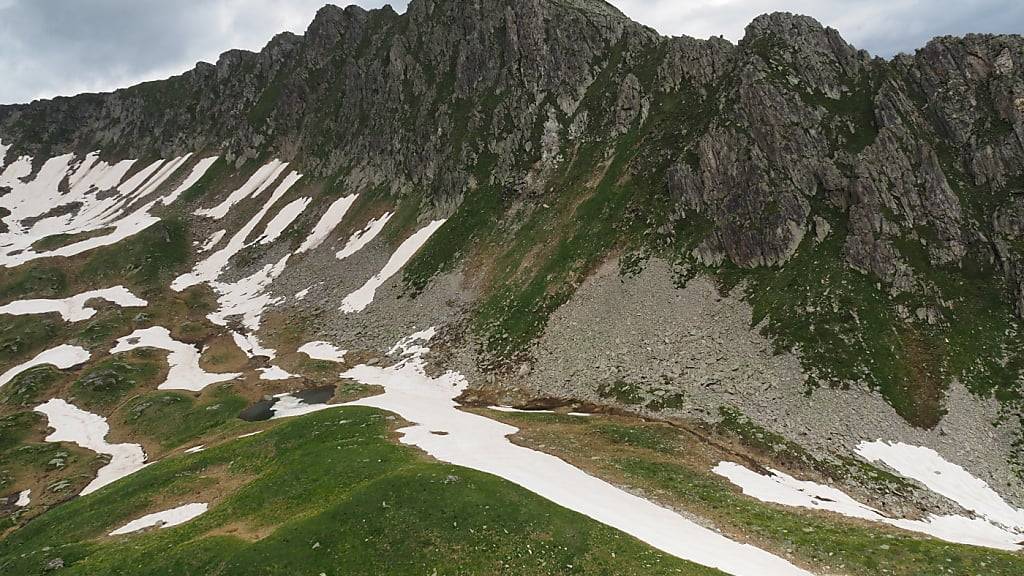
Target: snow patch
250	344
212	241
945	478
361	298
781	488
98	198
195	449
247	297
282	220
360	239
198	171
328	222
185	373
274	373
63	357
24	497
257	183
512	410
290	406
165	519
71	424
73	309
321	350
211	268
482	444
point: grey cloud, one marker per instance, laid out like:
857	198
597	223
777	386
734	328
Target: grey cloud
883	27
62	47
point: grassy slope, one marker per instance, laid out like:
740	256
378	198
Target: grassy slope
333	480
329	493
669	467
121	386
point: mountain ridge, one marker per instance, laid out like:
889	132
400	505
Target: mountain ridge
735	154
782	266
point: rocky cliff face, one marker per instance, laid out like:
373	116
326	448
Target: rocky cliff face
376	97
870	208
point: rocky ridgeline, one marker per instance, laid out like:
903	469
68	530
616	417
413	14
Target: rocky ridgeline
923	149
787	139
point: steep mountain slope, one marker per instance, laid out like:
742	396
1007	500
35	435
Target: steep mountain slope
801	257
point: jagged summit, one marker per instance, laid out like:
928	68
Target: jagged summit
784	25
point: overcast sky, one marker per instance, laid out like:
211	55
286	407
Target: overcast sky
63	47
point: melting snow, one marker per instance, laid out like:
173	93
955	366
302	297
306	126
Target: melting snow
185	373
247	297
943	477
302	294
70	424
166	169
323	351
512	410
289	406
328	222
195	449
282	220
362	297
482	444
360	239
24	497
255	186
212	241
164	519
250	344
213	266
73	309
98	198
780	488
64	356
275	373
198	171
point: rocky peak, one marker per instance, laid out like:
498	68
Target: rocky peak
805	51
332	24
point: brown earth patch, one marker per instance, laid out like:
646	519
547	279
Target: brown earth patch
924	387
